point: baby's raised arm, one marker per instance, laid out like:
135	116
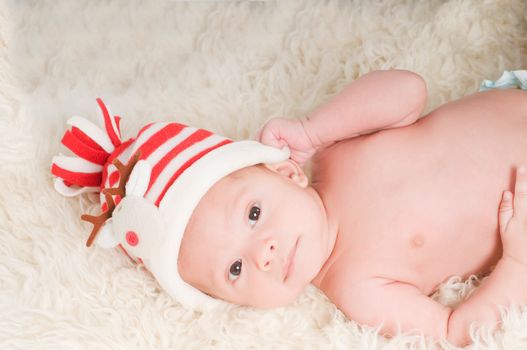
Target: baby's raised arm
395	303
375	101
378	100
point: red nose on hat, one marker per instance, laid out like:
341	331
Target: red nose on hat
132	238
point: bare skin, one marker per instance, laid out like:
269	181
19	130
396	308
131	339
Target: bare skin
389	215
420	204
448	169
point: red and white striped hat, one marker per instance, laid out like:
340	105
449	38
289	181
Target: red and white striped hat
176	165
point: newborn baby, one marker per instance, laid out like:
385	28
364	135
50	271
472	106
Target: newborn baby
396	206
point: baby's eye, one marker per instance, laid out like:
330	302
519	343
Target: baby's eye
235	270
254	215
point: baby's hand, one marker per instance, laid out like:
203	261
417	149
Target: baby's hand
513	220
279	132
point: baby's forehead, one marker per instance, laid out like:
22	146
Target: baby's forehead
231	185
215	211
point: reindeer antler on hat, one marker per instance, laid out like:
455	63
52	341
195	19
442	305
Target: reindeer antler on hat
160	176
120	191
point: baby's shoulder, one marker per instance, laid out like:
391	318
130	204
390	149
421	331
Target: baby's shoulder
329	158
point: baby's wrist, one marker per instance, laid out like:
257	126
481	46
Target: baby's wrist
311	135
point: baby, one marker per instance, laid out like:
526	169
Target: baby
396	205
388	216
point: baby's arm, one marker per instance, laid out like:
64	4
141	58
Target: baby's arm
375	101
377	300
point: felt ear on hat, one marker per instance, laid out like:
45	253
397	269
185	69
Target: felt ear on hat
139	179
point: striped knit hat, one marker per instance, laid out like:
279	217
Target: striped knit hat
150	186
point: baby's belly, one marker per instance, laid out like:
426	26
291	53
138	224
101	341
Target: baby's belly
420	204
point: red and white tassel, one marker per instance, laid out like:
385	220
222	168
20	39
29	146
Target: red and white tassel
92	144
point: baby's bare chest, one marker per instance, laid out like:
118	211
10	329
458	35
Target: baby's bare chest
420	231
420	204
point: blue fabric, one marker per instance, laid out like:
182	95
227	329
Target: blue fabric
509	79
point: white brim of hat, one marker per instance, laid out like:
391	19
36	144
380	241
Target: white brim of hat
179	202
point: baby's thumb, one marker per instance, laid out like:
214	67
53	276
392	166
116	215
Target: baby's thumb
506	211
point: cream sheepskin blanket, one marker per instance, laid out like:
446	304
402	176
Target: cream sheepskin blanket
222	65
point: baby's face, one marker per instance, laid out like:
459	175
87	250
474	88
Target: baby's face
257	238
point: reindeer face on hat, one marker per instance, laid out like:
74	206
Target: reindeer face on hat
150	186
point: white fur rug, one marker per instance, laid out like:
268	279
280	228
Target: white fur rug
226	66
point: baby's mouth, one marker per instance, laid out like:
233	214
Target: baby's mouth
289	264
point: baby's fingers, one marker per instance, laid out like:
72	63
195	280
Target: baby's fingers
520	193
271	134
505	211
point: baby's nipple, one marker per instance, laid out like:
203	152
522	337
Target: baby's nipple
418	241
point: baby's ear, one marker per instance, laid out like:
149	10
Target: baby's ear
290	169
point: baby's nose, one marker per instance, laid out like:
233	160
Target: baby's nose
265	254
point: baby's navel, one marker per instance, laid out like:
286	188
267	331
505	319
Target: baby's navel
418	241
